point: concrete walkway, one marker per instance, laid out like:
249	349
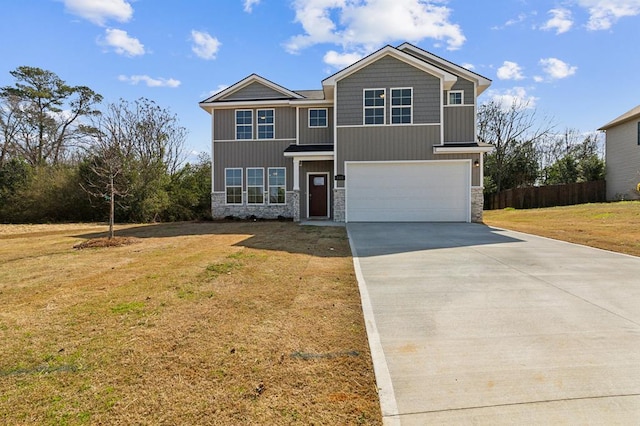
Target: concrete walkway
469	324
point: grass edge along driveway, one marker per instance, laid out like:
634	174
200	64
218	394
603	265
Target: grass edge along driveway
609	226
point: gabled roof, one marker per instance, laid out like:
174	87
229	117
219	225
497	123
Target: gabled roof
627	116
482	82
448	78
253	78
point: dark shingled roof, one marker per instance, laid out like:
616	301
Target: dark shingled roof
310	148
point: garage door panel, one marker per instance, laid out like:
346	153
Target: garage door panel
407	192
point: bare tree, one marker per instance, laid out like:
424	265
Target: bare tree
513	131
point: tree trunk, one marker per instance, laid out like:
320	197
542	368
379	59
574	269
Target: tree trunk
111	206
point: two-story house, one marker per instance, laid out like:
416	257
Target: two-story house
389	138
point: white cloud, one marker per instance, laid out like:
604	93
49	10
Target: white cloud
561	21
604	13
367	25
518	20
341	60
99	11
149	81
204	45
556	69
510	71
248	5
122	43
516	96
468	66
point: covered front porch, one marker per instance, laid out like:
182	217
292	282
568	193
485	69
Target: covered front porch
313	175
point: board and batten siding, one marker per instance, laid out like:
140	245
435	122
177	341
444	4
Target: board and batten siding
385	143
254	91
388	72
459	124
317	135
224	123
623	161
243	154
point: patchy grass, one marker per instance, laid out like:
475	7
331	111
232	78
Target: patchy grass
609	226
196	323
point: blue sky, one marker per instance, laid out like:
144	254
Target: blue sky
575	61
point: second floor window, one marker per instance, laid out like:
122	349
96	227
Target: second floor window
318	117
244	124
401	103
374	106
455	97
265	124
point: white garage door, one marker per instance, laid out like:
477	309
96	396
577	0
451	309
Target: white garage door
423	191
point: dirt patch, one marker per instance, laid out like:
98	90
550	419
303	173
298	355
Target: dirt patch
106	242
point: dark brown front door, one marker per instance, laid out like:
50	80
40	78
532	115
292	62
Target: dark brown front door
318	195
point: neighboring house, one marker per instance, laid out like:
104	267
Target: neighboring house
389	138
622	155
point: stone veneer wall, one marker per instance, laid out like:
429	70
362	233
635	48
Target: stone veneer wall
477	203
338	205
290	210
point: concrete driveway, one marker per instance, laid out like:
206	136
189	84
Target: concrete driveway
469	324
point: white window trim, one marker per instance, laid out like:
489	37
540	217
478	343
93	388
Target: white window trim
401	106
235	117
254	186
226	202
461	97
326	110
384	107
273	125
269	186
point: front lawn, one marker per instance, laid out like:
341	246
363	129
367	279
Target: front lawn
189	323
609	226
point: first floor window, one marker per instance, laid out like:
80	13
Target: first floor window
244	124
401	102
277	185
318	117
233	185
455	97
374	106
255	186
638	132
265	124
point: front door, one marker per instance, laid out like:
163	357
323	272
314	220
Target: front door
318	195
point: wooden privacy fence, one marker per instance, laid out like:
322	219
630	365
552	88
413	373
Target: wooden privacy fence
548	196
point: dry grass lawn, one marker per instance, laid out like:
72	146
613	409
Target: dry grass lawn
190	323
609	226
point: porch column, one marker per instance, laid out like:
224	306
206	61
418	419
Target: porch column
296	174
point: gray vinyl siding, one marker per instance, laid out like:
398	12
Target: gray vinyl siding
387	73
255	91
459	124
467	87
318	135
224	124
243	154
380	143
314	167
623	161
